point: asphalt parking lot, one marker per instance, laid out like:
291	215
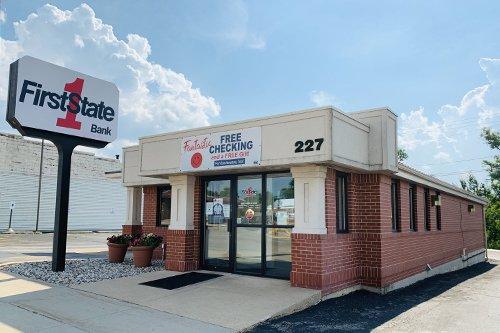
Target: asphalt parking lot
38	247
463	301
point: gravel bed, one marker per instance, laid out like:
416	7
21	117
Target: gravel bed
80	271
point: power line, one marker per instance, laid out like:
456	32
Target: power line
444	127
456	161
459	172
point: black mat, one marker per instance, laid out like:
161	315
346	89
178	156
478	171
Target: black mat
181	280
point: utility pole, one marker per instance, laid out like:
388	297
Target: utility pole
39	187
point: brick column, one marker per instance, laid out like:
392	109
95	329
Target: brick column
309	233
181	245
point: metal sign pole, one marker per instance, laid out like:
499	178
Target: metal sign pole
10	221
12	206
65	150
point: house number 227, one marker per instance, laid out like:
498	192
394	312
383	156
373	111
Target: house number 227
308	145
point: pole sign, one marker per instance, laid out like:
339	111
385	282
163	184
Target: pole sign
69	108
214	151
47	97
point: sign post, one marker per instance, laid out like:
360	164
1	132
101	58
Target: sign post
68	108
11	206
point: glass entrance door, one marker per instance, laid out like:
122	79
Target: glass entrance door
247	224
217	224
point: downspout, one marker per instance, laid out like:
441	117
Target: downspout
485	234
462	231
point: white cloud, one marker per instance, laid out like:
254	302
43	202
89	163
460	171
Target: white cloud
152	97
225	22
256	42
322	98
455	129
3	16
442	156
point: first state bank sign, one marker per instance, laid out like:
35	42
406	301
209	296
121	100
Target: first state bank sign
222	150
48	97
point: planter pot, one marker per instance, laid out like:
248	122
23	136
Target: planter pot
142	255
116	252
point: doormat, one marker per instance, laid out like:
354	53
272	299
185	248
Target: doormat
181	280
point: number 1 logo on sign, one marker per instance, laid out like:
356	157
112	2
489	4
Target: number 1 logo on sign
70	120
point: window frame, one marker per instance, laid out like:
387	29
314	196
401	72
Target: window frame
344	177
395	206
438	214
412	209
427	209
159	190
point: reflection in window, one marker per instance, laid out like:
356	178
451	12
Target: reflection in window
164	205
278	252
280	200
249	200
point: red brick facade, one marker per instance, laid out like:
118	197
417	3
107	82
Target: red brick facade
371	253
181	246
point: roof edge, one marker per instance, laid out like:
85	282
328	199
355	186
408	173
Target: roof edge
439	184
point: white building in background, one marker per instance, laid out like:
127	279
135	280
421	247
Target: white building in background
97	201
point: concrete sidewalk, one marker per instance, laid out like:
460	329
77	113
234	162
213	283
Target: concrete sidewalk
29	306
225	304
233	301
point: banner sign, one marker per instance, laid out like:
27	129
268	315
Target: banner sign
233	149
52	98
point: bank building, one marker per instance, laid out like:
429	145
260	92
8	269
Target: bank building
316	197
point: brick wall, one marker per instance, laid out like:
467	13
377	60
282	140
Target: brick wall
182	247
371	253
149	212
408	252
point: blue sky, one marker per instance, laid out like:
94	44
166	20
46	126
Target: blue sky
201	62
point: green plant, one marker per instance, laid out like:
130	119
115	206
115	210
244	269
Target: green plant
147	240
119	239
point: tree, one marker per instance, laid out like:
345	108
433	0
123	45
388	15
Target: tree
490	192
402	154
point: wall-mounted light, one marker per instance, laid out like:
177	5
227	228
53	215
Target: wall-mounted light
436	200
471	208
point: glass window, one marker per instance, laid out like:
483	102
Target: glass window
278	252
164	205
395	206
249	200
342	223
438	214
427	212
217	218
249	249
412	208
280	206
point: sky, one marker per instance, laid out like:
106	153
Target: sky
184	64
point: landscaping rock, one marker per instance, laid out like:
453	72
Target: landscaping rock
80	271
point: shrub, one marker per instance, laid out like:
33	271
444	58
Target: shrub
120	239
147	240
